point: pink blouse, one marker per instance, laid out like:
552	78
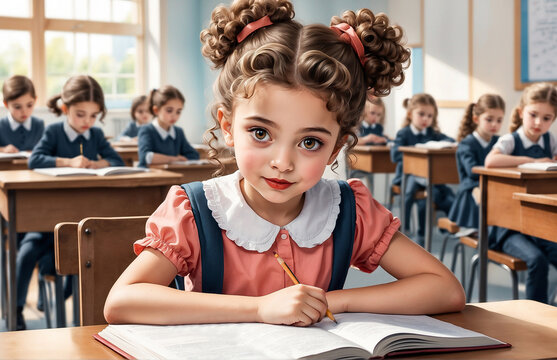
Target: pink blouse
171	229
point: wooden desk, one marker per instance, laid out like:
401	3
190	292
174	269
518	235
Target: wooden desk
372	159
531	328
30	201
128	153
538	215
120	143
437	166
13	164
198	172
499	208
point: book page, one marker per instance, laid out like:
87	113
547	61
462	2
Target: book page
367	330
114	170
17	155
230	341
191	162
539	166
65	171
443	144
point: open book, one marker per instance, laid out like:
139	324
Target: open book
539	166
191	162
17	155
443	144
356	336
70	171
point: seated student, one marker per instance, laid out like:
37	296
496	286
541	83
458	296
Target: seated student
371	127
287	111
140	116
477	135
19	131
73	142
161	141
420	126
529	141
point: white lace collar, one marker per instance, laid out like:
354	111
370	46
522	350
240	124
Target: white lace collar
312	227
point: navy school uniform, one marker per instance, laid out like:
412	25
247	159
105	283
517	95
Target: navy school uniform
366	129
470	153
131	130
537	253
150	140
57	143
443	196
22	137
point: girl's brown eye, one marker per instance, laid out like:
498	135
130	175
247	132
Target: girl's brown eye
260	134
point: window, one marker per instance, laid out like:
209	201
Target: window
51	40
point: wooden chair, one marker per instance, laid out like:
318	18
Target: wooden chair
509	263
395	191
102	252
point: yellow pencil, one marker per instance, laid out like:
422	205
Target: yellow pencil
295	281
81	149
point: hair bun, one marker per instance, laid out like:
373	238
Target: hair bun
219	39
384	49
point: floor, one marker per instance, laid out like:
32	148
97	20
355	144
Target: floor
499	283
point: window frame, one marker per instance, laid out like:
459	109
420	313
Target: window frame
37	24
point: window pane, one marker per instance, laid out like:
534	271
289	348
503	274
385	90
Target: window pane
110	59
15	8
15	53
123	11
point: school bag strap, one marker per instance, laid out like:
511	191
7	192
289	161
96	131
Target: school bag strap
210	239
343	237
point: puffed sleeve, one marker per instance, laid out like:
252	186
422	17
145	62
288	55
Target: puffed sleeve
375	227
171	229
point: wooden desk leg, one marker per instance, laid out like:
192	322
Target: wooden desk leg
403	202
11	280
75	294
3	268
483	240
428	215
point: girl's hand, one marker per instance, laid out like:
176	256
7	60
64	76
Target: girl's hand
180	158
95	165
79	161
298	305
10	149
546	159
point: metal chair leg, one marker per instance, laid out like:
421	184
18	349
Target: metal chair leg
473	266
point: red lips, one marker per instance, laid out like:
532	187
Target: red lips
279	184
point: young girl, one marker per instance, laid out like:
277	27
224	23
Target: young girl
287	99
140	116
420	126
476	136
19	131
161	141
371	128
75	142
529	141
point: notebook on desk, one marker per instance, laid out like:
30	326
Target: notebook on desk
356	336
17	155
547	166
106	171
437	145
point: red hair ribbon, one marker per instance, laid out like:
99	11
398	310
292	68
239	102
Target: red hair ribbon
349	36
251	27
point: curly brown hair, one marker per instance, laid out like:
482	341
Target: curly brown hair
293	56
485	102
536	93
420	100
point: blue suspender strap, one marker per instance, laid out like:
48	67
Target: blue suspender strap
343	237
210	239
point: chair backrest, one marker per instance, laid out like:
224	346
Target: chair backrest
65	248
105	250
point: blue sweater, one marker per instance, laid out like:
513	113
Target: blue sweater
405	137
366	130
149	140
131	130
21	138
55	143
